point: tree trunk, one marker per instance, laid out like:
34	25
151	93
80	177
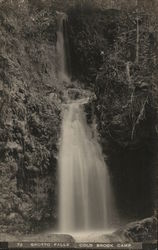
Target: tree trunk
137	39
137	42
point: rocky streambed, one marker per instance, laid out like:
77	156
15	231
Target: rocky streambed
140	231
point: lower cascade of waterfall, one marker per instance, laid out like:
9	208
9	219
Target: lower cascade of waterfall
85	196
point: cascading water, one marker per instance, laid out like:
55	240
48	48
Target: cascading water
63	48
85	197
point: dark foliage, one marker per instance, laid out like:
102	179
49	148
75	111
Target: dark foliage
115	54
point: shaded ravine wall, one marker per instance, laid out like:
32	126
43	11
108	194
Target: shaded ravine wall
125	101
30	118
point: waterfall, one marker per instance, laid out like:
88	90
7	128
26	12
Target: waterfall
85	196
84	191
62	46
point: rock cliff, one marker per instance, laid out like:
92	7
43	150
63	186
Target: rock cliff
30	99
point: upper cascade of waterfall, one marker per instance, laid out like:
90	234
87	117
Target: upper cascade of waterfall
63	50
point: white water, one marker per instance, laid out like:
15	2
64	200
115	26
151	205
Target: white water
85	196
61	52
84	191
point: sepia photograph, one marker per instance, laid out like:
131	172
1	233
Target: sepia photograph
79	124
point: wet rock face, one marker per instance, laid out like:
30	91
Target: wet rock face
90	34
140	231
29	121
